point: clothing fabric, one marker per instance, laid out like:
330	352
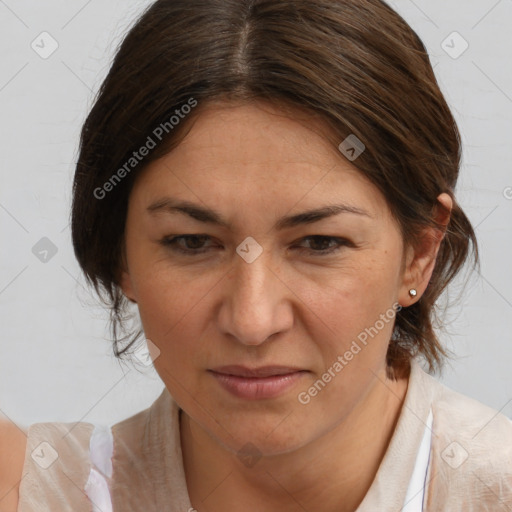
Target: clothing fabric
101	451
448	453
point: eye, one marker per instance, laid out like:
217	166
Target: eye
193	243
324	244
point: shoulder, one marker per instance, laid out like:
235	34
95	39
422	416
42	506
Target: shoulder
147	444
481	427
13	442
471	456
55	451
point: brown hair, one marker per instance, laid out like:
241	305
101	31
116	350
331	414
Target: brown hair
354	63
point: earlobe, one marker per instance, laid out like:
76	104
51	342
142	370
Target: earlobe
421	259
126	285
125	280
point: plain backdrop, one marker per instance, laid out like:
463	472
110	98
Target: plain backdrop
56	363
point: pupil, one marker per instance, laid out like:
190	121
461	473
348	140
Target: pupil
321	243
196	242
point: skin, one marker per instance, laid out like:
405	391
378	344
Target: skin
290	307
13	442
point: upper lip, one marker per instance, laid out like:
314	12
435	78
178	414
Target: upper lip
262	371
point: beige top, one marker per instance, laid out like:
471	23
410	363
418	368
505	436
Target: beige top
468	468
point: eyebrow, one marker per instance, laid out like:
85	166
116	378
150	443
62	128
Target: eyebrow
209	216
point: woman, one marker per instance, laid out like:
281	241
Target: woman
272	185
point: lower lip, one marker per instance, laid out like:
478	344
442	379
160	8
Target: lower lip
257	388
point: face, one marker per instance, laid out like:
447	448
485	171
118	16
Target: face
226	272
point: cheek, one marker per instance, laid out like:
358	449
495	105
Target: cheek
351	318
167	293
335	304
351	322
350	299
176	315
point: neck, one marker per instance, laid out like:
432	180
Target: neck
335	470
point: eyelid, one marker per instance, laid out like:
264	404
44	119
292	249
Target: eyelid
170	242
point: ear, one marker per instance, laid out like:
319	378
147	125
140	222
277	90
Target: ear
127	287
420	260
125	280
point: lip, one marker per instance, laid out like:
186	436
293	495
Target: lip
262	371
257	383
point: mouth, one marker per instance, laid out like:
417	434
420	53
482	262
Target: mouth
257	383
263	371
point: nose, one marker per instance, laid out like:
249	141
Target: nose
256	302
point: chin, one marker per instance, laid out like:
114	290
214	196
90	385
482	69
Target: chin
265	436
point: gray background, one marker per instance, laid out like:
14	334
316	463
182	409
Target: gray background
55	362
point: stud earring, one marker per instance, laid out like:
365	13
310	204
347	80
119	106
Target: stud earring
413	292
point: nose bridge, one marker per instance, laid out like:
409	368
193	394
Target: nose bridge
251	281
254	308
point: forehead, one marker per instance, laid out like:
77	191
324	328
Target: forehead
260	132
240	150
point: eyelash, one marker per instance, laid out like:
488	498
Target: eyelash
172	244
